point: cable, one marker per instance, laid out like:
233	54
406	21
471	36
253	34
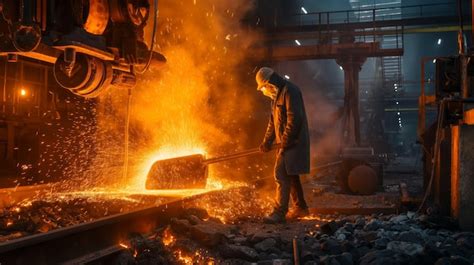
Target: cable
461	40
460	16
435	154
145	68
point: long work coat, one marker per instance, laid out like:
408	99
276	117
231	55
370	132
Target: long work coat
288	125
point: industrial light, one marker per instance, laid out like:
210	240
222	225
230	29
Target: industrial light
23	92
397	102
304	10
340	67
298	42
439	41
287	77
434	60
398	113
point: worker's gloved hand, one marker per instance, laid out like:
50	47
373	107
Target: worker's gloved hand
265	147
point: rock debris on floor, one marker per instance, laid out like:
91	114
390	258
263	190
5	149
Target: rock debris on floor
408	238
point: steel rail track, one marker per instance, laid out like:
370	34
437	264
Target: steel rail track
82	243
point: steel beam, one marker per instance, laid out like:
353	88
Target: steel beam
326	51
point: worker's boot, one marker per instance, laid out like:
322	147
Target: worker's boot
274	218
297	213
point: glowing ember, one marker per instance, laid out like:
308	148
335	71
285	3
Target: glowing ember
168	237
123	245
140	180
315	218
184	258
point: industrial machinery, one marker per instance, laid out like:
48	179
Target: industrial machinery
93	44
447	143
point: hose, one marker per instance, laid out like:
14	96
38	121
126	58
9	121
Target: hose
150	57
435	153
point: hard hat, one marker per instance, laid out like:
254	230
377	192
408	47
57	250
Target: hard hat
263	76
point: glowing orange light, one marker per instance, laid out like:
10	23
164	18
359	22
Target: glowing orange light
168	238
163	153
23	92
9	223
184	258
123	245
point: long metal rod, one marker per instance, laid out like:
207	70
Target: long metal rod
4	94
127	136
296	252
244	153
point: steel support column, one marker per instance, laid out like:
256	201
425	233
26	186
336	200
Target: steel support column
462	179
10	142
351	118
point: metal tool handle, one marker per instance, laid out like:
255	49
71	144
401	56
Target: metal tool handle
236	155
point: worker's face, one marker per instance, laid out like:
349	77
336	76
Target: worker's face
270	91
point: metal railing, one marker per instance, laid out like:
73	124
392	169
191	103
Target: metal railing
372	14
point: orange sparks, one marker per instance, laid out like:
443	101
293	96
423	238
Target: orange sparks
184	258
168	237
315	218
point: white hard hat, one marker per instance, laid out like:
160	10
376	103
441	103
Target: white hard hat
263	76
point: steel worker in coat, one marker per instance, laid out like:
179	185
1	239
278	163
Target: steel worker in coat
287	126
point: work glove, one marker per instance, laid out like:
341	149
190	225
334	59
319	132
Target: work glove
265	147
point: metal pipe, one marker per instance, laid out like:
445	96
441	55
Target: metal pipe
472	21
127	136
422	99
296	252
4	92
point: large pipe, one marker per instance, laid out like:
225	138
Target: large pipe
4	88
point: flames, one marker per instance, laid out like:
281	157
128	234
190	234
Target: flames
168	237
202	101
186	259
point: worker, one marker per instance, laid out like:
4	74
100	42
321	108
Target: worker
288	126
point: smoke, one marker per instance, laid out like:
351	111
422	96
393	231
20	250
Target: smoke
204	96
203	100
324	117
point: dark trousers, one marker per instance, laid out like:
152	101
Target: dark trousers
287	185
